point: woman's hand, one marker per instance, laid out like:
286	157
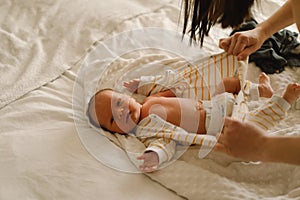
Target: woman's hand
242	44
242	139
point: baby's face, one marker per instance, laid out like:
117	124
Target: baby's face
117	112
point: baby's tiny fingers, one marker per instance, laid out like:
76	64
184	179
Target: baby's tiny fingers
142	157
148	169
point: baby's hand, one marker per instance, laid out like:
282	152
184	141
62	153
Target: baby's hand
150	161
132	85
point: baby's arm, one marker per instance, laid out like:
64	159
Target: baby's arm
158	151
132	86
152	85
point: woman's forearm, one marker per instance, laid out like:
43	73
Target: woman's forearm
282	18
282	149
296	12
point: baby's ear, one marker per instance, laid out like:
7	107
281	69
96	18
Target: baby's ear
91	113
92	117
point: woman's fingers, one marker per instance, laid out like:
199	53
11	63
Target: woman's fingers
228	121
232	45
220	148
240	44
224	43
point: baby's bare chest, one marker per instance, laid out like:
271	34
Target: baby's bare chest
177	111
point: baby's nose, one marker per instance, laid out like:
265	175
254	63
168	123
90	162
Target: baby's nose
120	112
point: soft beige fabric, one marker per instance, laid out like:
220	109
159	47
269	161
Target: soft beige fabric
41	154
41	39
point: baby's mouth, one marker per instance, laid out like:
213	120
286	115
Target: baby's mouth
127	116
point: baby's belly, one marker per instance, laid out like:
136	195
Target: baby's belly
192	116
186	113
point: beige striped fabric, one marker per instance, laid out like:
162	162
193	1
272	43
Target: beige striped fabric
197	80
162	137
270	113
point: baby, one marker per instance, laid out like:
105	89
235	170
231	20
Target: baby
163	119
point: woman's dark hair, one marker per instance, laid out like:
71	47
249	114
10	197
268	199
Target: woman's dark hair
206	13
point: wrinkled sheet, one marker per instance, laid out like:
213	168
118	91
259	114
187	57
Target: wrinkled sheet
41	39
42	155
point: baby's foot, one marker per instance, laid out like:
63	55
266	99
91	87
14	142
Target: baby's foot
292	92
264	87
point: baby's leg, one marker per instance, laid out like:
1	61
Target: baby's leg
228	84
261	89
264	86
274	110
292	93
232	85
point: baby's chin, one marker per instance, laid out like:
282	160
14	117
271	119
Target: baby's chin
136	118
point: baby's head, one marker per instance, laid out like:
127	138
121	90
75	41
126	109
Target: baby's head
114	111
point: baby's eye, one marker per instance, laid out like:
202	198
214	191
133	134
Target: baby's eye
119	102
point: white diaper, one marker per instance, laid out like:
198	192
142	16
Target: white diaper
216	110
251	91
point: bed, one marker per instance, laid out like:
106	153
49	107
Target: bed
44	47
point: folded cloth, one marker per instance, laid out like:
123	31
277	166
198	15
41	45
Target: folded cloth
278	51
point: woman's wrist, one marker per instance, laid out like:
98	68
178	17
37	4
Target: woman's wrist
267	149
282	18
261	148
281	149
264	30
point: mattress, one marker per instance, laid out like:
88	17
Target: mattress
44	156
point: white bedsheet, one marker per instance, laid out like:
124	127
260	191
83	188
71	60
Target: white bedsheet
41	39
43	158
41	155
